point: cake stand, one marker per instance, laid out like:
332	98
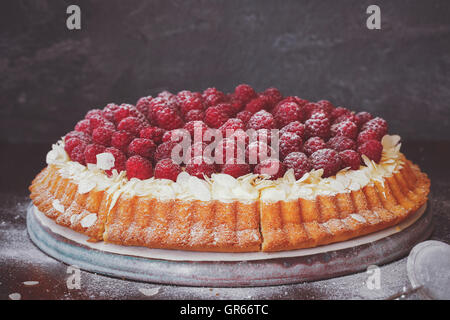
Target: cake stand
229	269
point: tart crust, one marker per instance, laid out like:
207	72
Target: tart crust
235	226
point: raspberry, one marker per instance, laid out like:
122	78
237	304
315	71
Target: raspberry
121	140
164	150
261	120
175	135
310	108
80	135
257	151
298	162
326	159
226	108
198	127
339	111
372	149
167	169
286	113
119	160
231	126
263	135
130	124
318	127
108	111
189	101
199	168
71	142
244	92
362	117
215	117
84	126
212	97
366	135
77	153
346	128
236	170
152	133
313	144
93	113
244	116
98	121
257	104
379	125
139	167
341	143
142	147
236	104
168	118
194	115
290	142
143	104
350	158
102	135
346	117
91	151
274	96
326	106
167	96
294	127
272	167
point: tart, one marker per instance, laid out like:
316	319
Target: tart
236	172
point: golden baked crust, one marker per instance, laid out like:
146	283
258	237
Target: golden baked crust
236	226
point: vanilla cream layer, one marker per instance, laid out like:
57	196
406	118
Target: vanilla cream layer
224	187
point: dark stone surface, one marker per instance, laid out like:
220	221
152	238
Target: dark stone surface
21	261
315	49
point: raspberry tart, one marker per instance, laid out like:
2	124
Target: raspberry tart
238	172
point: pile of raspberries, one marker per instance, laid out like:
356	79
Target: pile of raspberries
312	135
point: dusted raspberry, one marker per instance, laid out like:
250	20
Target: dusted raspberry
226	108
77	153
298	162
96	121
362	117
152	133
199	168
236	104
339	111
326	159
294	127
231	126
341	143
286	113
196	126
167	169
84	126
346	128
257	151
272	167
91	152
263	135
93	113
261	120
235	169
108	111
372	149
168	118
128	110
102	135
300	102
346	117
318	126
244	92
350	159
189	101
143	105
310	108
142	147
244	116
196	150
194	115
366	135
326	106
121	140
274	96
139	167
215	117
164	150
77	134
168	96
258	104
119	160
313	144
290	142
130	124
212	97
379	125
175	135
71	142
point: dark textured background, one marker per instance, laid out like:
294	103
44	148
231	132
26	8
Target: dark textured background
50	76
